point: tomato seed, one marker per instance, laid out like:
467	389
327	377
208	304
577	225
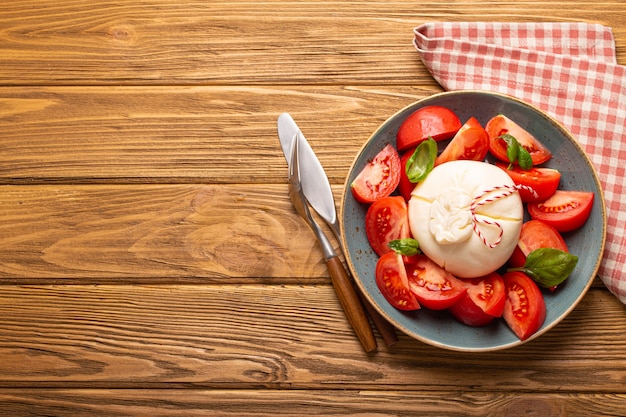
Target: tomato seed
572	205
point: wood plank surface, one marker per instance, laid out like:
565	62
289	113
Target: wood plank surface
151	263
182	134
276	336
296	403
223	42
134	233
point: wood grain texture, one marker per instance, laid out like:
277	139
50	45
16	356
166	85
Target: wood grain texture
133	233
165	42
182	134
296	403
275	336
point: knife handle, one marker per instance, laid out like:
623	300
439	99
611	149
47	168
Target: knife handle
386	329
351	303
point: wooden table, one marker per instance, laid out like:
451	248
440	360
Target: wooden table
150	260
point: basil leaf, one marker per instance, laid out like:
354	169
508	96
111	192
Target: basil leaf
422	161
524	160
515	152
512	147
548	267
407	246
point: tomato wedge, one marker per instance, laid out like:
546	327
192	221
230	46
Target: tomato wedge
500	125
437	122
468	313
524	308
487	293
471	142
405	187
379	178
565	210
544	181
535	234
433	286
483	301
392	282
386	219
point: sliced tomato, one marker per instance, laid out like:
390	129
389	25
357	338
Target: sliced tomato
483	301
517	259
468	313
386	219
536	234
392	282
437	122
405	187
544	181
433	286
379	178
471	142
565	210
500	125
524	308
487	292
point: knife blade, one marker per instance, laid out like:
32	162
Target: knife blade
315	185
318	192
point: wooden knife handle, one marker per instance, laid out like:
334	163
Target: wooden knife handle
386	329
351	303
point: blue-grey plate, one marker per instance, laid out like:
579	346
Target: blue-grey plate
439	328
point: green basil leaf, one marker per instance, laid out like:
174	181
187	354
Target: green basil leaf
422	161
512	147
548	266
515	152
524	160
407	246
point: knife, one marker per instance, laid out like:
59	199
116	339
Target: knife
348	298
317	191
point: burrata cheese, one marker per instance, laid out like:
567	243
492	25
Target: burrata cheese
467	217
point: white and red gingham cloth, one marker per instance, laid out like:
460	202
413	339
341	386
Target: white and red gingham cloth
569	70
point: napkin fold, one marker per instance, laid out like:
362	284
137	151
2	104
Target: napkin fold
570	71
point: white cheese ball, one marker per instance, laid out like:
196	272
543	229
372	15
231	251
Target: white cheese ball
467	217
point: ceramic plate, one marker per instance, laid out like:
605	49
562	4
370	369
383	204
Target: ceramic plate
439	328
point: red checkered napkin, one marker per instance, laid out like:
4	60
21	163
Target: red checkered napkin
569	70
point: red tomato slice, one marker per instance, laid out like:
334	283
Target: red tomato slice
487	293
386	219
437	122
500	125
565	210
483	301
393	283
536	234
471	142
524	308
379	178
544	181
433	286
405	187
468	313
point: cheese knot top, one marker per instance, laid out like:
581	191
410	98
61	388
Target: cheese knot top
467	217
